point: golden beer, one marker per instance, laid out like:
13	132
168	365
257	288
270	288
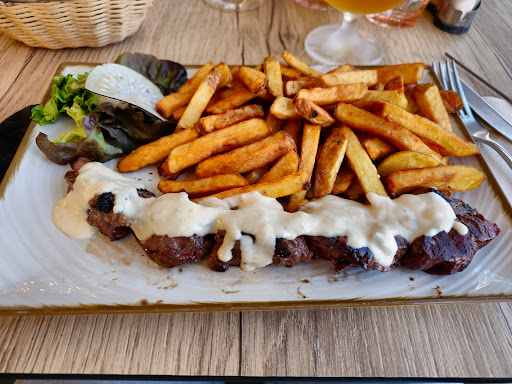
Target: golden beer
364	6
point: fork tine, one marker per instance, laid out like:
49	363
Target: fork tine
444	75
457	86
435	67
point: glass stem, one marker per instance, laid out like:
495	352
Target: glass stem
350	21
346	35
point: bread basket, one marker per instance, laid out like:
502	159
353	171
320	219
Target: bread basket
59	24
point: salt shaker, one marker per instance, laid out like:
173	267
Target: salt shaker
455	16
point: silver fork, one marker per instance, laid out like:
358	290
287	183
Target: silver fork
449	77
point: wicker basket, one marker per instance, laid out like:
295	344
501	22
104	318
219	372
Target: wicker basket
72	23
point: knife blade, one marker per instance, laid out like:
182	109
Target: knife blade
486	112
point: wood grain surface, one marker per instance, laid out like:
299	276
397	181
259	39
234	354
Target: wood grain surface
446	341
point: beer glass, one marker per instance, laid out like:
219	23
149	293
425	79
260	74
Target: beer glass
346	43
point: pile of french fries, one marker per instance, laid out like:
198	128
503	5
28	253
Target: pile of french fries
289	130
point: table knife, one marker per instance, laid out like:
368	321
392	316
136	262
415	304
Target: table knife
486	112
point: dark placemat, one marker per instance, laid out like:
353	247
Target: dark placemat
12	131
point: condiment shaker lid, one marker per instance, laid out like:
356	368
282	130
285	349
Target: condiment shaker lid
453	16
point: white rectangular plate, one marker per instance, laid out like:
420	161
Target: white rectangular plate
43	271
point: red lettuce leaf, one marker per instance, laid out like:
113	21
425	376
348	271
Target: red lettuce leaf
111	133
167	75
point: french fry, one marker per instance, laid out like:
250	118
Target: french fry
256	174
309	148
411	73
273	122
343	179
390	96
178	114
362	165
225	92
343	68
289	73
202	187
293	128
212	123
404	160
234	72
451	101
283	109
377	148
200	100
313	113
444	178
431	105
412	107
286	165
233	101
282	186
214	143
253	79
191	85
274	78
221	94
155	151
248	157
397	135
329	162
324	96
173	101
354	191
422	127
291	87
226	78
395	84
294	62
368	76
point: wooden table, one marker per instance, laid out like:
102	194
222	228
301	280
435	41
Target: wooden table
447	341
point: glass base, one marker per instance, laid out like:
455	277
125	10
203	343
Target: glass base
235	5
335	45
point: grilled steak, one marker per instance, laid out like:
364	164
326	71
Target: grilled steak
286	253
448	253
344	256
172	251
291	252
101	215
217	264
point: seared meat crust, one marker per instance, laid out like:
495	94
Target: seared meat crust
442	254
344	256
286	253
100	214
170	252
448	253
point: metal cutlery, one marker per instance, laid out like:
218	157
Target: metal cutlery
449	77
487	112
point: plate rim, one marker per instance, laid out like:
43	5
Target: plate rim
233	306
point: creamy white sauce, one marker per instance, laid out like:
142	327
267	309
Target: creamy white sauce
70	212
253	215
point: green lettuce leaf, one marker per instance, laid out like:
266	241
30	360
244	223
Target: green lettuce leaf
103	132
67	92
